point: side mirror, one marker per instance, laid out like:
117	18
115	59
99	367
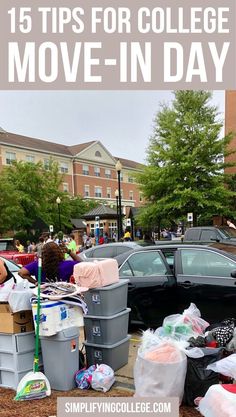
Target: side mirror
233	273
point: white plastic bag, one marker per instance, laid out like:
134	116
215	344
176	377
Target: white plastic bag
152	339
218	403
160	372
19	297
102	378
186	325
6	288
226	366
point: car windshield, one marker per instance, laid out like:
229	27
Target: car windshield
3	245
229	232
11	265
6	245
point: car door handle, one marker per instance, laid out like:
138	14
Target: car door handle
187	284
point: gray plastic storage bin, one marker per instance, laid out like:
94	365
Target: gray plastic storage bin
18	362
115	355
61	358
16	357
17	343
109	300
11	379
107	330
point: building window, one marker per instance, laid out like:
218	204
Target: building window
131	195
85	170
65	187
121	194
86	191
130	179
121	176
98	154
98	192
108	192
97	171
140	197
10	157
107	173
64	167
46	164
30	158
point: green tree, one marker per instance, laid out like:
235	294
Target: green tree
29	191
185	162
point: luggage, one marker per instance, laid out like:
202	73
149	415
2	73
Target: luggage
97	273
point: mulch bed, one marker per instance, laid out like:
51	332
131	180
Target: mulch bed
48	406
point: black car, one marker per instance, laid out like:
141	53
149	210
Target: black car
206	234
109	250
165	279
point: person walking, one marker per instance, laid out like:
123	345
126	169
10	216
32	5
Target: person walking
84	239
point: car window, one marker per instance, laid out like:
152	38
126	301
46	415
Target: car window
206	263
122	249
3	245
192	234
169	255
208	235
103	252
144	264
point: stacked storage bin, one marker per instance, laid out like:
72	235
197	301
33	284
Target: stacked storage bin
106	325
16	357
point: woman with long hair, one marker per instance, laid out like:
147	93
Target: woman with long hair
54	266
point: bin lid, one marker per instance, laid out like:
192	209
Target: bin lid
64	334
114	316
111	286
95	345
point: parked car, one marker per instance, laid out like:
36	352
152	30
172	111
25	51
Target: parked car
13	267
165	279
207	234
108	250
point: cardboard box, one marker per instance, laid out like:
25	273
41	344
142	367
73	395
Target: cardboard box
19	322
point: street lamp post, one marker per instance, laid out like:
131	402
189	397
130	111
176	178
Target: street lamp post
118	170
58	201
117	213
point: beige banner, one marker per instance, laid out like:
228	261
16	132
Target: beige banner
113	406
104	45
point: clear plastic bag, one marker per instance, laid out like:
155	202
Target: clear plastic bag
186	325
160	372
103	378
152	339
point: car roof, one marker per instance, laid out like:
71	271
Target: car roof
105	245
228	250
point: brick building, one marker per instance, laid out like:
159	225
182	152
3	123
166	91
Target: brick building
230	125
88	168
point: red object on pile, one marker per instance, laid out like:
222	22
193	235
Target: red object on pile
230	387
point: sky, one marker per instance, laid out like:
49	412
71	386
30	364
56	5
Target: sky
121	120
